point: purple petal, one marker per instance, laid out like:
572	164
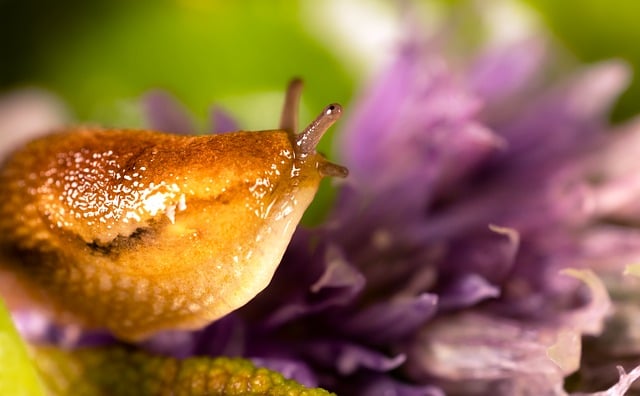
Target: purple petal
616	169
507	71
467	291
338	272
222	121
475	348
348	358
416	108
179	344
562	122
489	253
389	265
380	385
468	148
589	319
619	156
509	202
608	249
224	337
391	320
37	328
165	114
595	90
32	325
337	285
618	198
28	114
292	369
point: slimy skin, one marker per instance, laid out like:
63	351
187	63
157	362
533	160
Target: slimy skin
139	231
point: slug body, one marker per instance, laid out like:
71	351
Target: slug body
141	231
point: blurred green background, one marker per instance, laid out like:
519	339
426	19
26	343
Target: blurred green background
596	29
100	56
97	54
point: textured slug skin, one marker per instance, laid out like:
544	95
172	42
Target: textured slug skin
140	231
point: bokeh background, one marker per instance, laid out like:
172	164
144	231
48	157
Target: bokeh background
101	56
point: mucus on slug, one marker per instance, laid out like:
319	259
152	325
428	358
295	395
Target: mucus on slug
120	229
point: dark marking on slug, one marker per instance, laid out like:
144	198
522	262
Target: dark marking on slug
122	242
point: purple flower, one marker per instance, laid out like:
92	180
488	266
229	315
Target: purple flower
454	255
26	114
470	251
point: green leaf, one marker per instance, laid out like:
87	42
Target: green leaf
119	372
18	377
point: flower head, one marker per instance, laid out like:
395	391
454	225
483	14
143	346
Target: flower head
442	261
468	249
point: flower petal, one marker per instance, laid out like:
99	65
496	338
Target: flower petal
466	291
165	114
349	358
222	121
291	369
506	71
27	114
337	285
589	319
38	328
391	320
478	348
416	108
379	385
224	337
568	119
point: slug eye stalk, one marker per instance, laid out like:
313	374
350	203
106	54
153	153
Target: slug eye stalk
306	142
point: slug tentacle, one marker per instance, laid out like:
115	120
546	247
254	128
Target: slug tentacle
289	118
142	231
307	140
329	169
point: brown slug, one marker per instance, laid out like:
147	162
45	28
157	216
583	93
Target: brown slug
139	231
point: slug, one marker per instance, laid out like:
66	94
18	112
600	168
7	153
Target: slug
138	231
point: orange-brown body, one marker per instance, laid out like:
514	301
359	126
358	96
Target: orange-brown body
140	231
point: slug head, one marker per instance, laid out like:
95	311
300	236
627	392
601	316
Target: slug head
140	231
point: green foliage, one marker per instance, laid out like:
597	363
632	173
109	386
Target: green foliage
119	372
17	374
202	51
595	30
